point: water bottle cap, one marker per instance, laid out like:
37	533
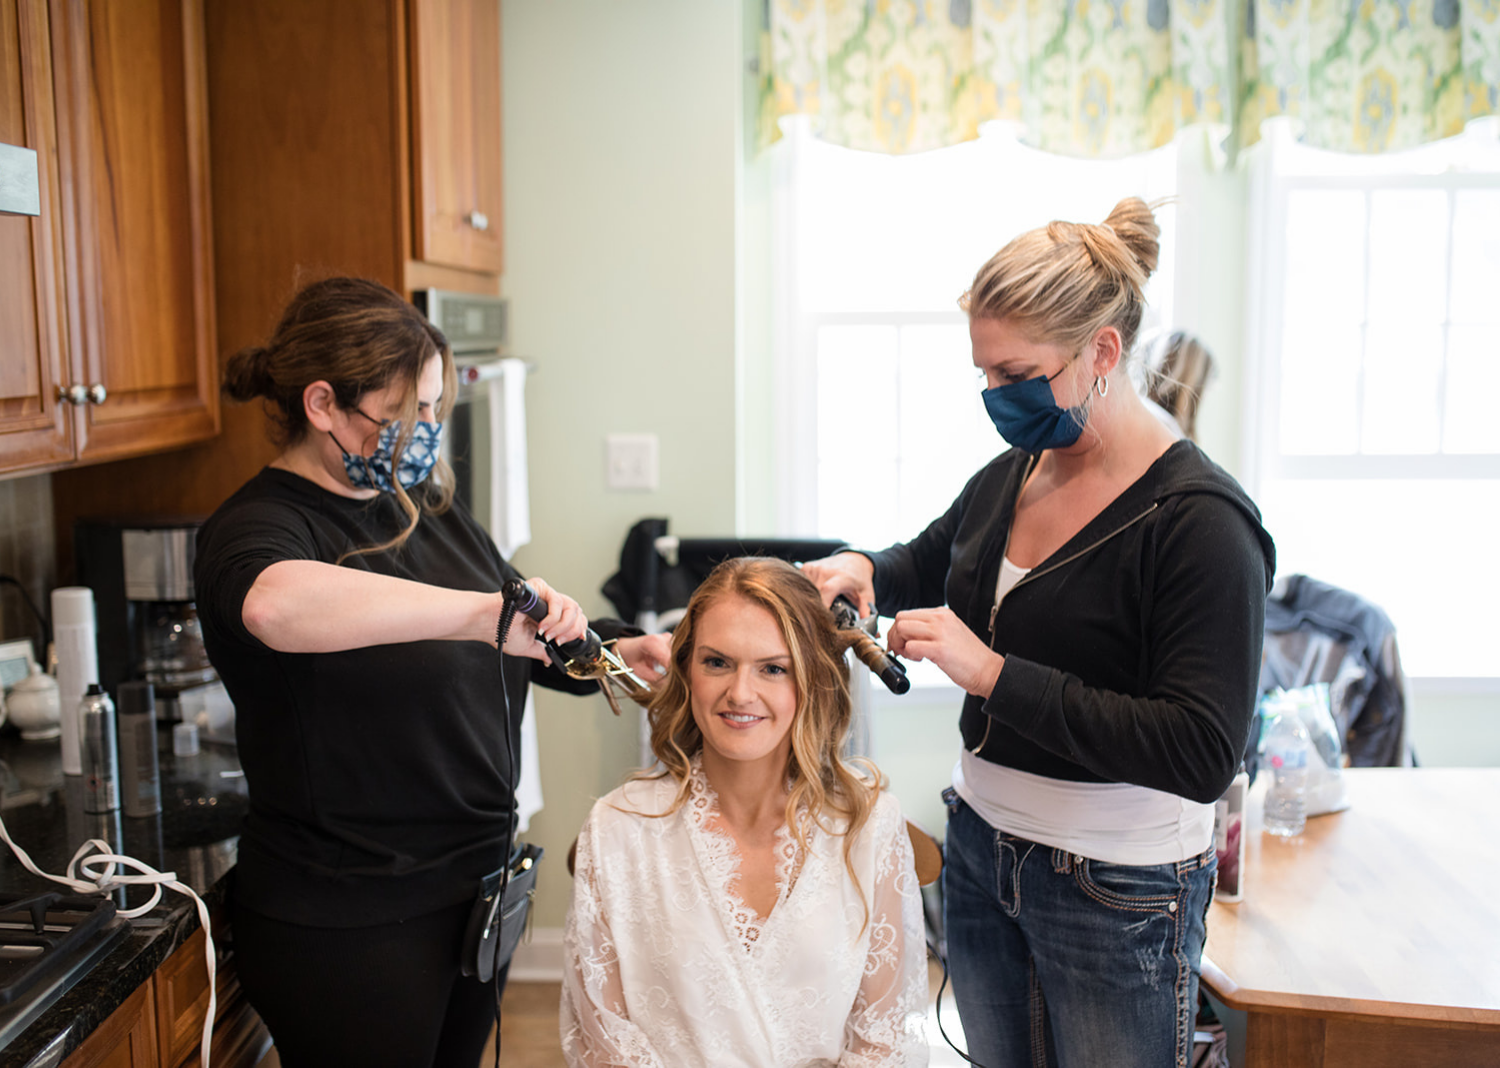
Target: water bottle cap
73	606
93	690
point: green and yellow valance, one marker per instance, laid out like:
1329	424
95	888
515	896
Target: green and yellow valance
1112	77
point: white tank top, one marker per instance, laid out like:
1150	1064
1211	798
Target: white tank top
1118	823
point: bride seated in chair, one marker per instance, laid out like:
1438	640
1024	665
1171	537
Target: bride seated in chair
754	903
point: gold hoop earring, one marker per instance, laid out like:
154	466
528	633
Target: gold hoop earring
1101	386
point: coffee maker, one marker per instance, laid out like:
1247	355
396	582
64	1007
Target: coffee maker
141	572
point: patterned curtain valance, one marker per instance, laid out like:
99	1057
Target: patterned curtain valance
1112	77
1370	75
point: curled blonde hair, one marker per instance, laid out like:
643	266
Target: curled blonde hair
822	783
1064	282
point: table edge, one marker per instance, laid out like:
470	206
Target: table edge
1265	1001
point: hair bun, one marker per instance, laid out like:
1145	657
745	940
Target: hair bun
247	374
1134	224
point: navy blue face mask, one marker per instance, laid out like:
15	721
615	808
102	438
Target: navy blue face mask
1027	415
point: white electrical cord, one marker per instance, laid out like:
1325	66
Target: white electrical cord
86	862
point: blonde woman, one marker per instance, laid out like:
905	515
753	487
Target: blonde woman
754	903
1098	590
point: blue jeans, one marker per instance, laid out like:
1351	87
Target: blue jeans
1061	960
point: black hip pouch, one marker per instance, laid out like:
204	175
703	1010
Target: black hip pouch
498	920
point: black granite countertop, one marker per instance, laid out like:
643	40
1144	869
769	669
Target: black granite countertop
203	806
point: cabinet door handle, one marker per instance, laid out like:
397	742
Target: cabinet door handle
96	393
478	220
74	394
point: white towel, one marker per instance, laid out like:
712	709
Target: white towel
529	786
510	494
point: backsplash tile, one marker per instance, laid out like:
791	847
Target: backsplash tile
28	553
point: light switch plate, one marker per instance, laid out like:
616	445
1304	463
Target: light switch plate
630	462
19	192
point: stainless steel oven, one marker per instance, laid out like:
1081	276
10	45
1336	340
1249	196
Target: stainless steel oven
485	436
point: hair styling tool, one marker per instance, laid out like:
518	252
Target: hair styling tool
582	658
862	641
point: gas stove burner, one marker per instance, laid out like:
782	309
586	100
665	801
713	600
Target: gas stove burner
47	943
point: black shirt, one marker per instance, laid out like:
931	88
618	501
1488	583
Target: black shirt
1132	653
379	780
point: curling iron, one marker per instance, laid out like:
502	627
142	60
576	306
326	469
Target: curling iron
882	663
588	657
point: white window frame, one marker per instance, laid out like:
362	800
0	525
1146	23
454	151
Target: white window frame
795	332
795	345
1269	194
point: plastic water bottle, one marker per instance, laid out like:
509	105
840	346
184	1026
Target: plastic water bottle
1286	748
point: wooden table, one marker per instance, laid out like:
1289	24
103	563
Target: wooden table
1372	940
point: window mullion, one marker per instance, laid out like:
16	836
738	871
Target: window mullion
1442	384
1364	332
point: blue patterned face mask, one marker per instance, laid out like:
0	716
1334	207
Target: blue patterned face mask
374	472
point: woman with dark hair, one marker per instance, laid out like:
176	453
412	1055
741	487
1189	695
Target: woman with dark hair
1098	591
753	903
350	604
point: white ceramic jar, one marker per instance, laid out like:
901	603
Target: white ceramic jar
32	706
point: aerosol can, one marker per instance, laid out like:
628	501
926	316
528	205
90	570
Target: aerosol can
101	760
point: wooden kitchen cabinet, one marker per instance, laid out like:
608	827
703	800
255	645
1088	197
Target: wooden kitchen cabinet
124	248
36	430
127	1039
347	137
455	74
160	1025
132	152
239	1039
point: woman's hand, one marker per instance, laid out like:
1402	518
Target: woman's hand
647	655
938	635
564	622
850	574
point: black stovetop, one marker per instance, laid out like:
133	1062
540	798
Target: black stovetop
47	943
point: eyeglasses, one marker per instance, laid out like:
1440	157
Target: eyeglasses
380	424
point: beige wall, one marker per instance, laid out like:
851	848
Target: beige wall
620	131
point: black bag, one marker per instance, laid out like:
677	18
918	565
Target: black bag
496	925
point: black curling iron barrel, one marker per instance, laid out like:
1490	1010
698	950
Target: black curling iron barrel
579	655
582	658
866	648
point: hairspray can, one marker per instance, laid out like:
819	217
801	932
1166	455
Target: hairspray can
140	779
96	728
77	664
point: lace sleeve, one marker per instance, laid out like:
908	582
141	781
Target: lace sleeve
885	1027
595	1027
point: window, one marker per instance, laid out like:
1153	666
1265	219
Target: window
1375	303
872	254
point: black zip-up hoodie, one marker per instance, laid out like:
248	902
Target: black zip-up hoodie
1132	653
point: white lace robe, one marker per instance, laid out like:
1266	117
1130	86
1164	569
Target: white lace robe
666	967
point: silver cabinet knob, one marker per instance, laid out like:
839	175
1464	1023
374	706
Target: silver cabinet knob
96	393
74	394
478	220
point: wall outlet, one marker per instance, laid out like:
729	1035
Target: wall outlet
630	462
